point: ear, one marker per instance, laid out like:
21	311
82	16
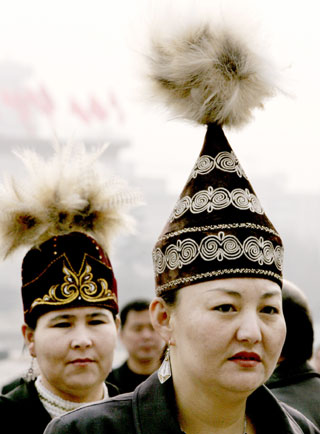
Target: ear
28	334
117	322
160	314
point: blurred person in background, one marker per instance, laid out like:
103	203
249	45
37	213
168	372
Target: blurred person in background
316	359
217	262
143	344
69	291
294	381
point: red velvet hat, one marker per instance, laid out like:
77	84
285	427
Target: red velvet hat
66	210
67	271
218	227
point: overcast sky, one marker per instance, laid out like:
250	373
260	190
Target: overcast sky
83	46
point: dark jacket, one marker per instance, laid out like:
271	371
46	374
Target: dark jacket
125	379
151	409
298	386
22	411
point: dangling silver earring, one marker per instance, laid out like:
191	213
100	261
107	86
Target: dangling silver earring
30	375
164	372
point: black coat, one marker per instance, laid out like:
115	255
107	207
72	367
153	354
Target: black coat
299	386
125	379
151	409
21	410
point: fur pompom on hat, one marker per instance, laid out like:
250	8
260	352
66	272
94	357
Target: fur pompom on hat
210	74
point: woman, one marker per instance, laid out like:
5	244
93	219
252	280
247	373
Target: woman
218	267
69	291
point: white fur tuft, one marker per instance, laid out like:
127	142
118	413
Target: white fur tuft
210	73
66	193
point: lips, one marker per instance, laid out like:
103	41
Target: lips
246	359
84	361
243	355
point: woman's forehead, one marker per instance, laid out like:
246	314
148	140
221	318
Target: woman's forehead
75	312
236	287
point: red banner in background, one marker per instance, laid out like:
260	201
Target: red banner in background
27	102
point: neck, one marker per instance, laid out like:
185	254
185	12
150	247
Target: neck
54	403
144	366
77	395
201	410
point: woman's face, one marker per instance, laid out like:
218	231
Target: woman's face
74	350
227	333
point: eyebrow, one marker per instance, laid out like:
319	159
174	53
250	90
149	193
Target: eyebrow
69	317
270	294
227	291
233	293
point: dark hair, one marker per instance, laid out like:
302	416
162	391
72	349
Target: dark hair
299	340
170	297
138	305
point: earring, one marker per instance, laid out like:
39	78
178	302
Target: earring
30	375
164	372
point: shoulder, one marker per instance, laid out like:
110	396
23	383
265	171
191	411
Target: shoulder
285	419
12	385
23	411
24	391
294	415
114	414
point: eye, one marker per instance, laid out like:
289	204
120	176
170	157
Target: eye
62	325
270	310
95	322
225	308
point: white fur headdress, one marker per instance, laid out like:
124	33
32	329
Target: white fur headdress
65	193
210	73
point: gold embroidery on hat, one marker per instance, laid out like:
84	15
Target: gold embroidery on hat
76	285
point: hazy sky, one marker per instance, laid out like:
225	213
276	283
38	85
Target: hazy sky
77	47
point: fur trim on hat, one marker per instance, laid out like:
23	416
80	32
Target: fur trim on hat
63	194
210	74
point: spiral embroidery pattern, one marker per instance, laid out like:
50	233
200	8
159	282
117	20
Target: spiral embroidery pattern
215	199
217	247
225	161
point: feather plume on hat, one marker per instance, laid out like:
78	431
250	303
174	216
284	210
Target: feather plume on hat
210	73
65	193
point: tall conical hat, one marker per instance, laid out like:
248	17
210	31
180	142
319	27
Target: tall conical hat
218	227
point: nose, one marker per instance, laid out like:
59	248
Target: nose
249	329
148	332
81	339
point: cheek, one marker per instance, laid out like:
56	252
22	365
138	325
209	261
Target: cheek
277	337
106	342
47	349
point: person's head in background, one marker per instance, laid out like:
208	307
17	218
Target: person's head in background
143	344
298	344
